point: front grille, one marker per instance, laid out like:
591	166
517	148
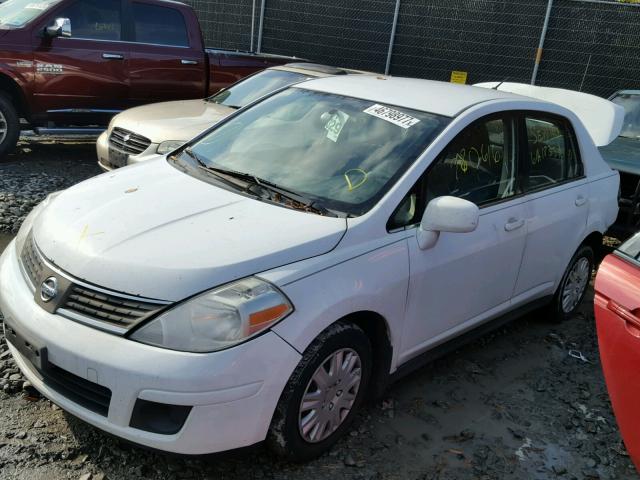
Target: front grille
31	260
106	307
87	394
82	302
128	142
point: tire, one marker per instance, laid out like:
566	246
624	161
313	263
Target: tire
9	126
566	303
286	438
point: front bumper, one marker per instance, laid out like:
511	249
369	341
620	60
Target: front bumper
102	150
233	393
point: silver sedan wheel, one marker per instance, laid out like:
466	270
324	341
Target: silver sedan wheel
575	285
4	128
330	395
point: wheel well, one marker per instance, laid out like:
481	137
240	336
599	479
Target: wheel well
15	94
594	240
375	327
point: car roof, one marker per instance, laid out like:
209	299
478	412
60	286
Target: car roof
442	98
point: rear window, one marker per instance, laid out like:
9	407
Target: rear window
552	156
159	25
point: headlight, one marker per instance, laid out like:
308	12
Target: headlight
27	224
218	319
169	146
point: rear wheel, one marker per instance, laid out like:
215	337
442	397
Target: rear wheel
9	126
323	394
574	284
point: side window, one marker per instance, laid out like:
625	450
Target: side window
159	25
479	165
95	19
552	155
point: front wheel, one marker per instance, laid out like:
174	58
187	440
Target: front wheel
574	284
9	126
323	394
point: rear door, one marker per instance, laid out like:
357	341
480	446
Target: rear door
82	79
557	202
167	59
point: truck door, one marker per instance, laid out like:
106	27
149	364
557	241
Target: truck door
167	59
82	79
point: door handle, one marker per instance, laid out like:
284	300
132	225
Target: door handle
580	201
112	56
514	224
624	313
188	62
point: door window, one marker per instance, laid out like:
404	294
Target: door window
479	165
552	156
95	19
159	25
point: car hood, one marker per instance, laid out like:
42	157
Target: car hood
153	231
623	154
181	120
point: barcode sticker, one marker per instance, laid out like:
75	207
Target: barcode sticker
393	116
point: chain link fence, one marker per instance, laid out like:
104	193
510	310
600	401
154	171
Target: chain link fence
590	45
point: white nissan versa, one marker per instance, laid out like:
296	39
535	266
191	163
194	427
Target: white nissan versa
264	279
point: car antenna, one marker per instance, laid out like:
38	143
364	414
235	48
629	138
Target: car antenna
500	84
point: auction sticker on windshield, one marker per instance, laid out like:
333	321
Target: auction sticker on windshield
391	115
335	125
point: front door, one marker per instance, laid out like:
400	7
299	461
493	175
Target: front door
467	277
83	79
167	63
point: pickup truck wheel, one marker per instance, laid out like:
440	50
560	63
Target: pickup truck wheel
9	126
323	394
574	285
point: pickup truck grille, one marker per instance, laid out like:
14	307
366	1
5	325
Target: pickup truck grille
107	307
128	142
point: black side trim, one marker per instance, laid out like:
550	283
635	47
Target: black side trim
455	343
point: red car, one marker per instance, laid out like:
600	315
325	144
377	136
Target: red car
617	307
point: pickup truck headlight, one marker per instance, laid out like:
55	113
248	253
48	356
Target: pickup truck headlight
218	319
27	224
169	146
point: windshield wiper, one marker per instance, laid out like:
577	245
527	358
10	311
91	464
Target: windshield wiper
296	199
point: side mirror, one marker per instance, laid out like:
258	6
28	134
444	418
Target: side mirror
447	214
61	27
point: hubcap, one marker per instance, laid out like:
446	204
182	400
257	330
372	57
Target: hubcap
3	128
575	285
330	395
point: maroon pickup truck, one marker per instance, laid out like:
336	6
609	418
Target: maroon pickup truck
67	66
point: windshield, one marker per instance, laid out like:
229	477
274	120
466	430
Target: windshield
17	13
341	152
257	86
631	104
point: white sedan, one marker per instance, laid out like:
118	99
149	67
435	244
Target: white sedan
268	277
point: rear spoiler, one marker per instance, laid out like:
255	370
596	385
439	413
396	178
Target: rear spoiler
602	119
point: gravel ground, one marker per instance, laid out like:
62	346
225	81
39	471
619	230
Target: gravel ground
511	405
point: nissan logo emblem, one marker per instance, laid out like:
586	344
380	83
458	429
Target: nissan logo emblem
126	138
49	289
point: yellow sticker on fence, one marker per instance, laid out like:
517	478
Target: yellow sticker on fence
458	77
